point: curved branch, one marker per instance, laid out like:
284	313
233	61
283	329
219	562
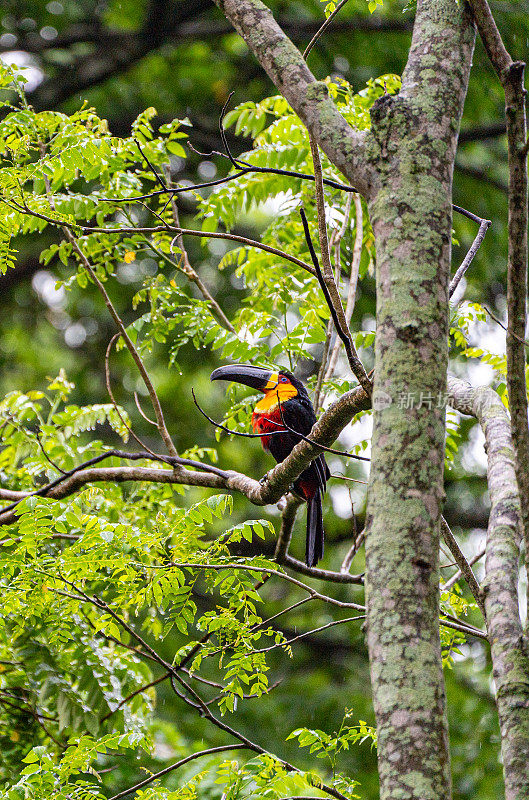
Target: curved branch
210	751
309	98
273	486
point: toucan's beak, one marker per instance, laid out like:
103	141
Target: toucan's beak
256	377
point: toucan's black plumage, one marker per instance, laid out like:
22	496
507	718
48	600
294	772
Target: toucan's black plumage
286	400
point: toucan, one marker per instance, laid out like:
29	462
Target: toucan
286	403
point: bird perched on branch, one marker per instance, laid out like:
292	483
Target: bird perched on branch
283	412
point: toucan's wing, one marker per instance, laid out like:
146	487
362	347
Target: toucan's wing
298	415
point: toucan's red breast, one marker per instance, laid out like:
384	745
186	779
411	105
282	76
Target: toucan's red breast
266	422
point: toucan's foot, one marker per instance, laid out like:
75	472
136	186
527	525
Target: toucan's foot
264	479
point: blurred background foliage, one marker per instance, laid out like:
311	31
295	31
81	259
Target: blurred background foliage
183	59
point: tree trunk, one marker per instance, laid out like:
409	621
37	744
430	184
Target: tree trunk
413	147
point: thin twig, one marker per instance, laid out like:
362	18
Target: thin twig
151	167
353	280
311	571
463	564
113	399
62	223
282	427
190	272
323	367
197	700
321	574
484	225
162	428
337	312
281	613
46	456
336	239
288	517
454	579
303	635
142	412
348	560
505	328
323	28
129	697
311	441
171	767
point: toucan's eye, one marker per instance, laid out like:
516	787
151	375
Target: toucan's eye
283	379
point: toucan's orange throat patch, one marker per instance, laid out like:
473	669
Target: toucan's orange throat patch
272	397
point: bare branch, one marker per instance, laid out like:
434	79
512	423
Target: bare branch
283	575
303	635
457	575
320	574
162	428
134	694
484	225
348	560
353	279
463	564
288	517
142	412
190	271
167	228
323	28
511	76
354	362
113	399
171	767
505	328
500	586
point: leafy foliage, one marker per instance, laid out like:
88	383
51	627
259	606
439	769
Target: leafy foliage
96	583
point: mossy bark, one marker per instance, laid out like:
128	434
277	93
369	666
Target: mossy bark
509	647
412	148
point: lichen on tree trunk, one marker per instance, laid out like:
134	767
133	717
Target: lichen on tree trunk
510	656
412	148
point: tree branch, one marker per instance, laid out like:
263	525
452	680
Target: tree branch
309	98
323	28
162	427
457	575
154	777
270	490
334	303
500	586
189	271
463	564
484	225
511	76
353	279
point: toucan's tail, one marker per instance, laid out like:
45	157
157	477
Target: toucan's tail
315	533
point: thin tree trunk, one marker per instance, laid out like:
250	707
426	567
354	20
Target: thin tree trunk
510	657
